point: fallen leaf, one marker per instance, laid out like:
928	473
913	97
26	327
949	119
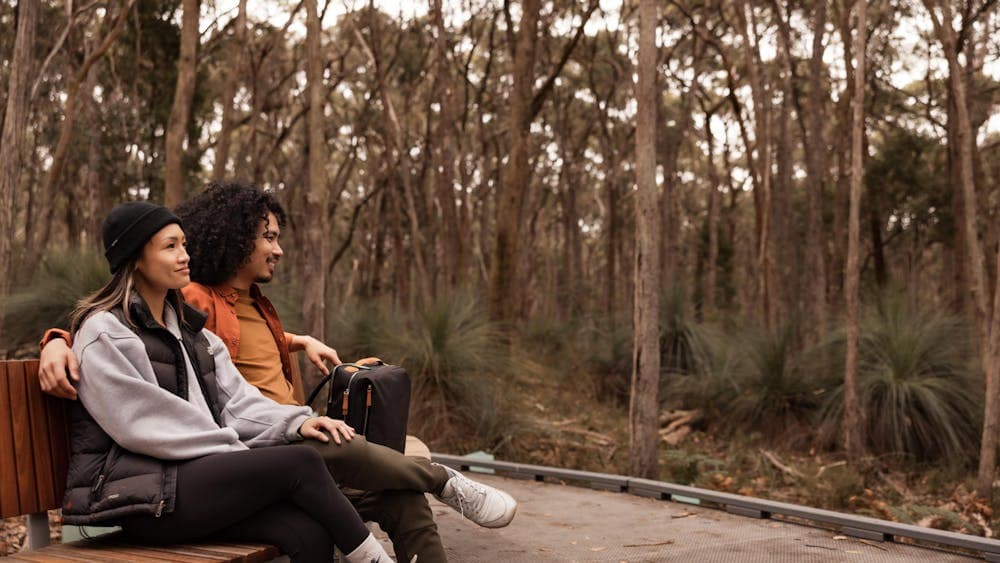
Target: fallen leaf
602	548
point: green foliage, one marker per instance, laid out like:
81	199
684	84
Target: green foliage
835	488
684	468
769	388
918	389
62	279
456	359
747	381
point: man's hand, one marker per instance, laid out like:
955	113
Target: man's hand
56	367
317	352
314	427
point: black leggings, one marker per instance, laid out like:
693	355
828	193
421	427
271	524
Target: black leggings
281	495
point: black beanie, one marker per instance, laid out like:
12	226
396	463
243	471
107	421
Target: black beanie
129	226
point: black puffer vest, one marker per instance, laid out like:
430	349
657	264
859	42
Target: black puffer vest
106	482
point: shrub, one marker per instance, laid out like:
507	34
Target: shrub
456	358
62	279
918	388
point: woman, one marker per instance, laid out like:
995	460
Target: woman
169	441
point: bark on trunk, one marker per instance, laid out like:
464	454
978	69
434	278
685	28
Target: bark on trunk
643	400
314	255
180	111
12	139
816	163
853	440
222	146
761	95
505	271
455	247
711	261
987	323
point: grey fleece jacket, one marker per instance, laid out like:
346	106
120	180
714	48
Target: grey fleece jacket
119	390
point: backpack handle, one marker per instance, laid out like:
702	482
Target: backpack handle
326	379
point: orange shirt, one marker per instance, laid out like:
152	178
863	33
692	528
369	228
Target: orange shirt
219	302
258	357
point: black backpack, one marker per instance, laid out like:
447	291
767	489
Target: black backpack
372	397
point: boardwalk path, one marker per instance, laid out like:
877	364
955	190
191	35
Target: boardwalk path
564	523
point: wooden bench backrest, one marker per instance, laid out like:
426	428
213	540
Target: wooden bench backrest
34	442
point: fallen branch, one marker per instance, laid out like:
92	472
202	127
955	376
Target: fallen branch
777	463
835	464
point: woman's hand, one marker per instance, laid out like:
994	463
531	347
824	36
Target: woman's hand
314	427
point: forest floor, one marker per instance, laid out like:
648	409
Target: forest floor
563	426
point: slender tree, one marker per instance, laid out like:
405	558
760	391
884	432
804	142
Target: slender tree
237	50
180	111
643	400
314	270
505	297
14	125
987	321
853	415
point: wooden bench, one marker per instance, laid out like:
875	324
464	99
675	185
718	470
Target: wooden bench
34	453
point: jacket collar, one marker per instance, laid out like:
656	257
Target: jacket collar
229	293
194	319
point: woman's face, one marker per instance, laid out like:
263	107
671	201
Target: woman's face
163	263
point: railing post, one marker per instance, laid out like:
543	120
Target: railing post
38	530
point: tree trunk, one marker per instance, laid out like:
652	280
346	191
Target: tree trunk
455	244
400	161
711	261
611	270
12	140
222	146
761	95
816	163
61	153
643	399
180	111
987	323
853	415
314	255
505	271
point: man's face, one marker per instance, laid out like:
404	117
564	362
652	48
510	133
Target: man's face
265	254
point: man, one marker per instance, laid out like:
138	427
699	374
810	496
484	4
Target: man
233	235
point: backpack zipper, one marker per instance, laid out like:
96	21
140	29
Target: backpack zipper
347	392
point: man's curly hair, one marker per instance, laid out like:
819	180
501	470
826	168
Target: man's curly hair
221	226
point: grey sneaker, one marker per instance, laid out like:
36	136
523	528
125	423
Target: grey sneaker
485	505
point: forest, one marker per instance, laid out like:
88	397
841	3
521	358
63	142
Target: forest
748	244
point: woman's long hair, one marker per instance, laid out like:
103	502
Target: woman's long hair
116	293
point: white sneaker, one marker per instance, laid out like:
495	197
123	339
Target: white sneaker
370	551
485	505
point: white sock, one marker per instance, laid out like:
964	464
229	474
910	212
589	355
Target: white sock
370	551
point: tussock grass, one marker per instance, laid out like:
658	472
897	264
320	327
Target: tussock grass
61	279
918	386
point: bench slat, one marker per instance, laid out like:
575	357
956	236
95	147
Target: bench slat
9	504
21	423
237	553
181	554
58	439
139	554
50	555
39	415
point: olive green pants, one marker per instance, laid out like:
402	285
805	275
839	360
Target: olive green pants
388	488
